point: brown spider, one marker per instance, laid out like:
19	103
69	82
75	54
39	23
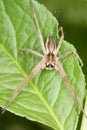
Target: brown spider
49	61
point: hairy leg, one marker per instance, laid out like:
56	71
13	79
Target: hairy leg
60	40
31	51
69	86
36	69
71	52
38	28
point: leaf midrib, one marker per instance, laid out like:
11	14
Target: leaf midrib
48	107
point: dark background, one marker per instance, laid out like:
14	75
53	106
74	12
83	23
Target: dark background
72	15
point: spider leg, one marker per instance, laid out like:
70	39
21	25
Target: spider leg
75	97
31	51
36	69
60	40
70	52
38	28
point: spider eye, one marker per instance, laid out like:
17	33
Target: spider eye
49	66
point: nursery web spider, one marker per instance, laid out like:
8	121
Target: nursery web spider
49	61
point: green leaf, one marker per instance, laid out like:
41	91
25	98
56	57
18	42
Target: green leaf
84	120
45	99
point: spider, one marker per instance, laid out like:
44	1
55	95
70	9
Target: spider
49	61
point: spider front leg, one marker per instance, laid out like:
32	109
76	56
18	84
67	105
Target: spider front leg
38	27
60	40
70	52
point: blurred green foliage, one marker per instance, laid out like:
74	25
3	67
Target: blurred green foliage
72	15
